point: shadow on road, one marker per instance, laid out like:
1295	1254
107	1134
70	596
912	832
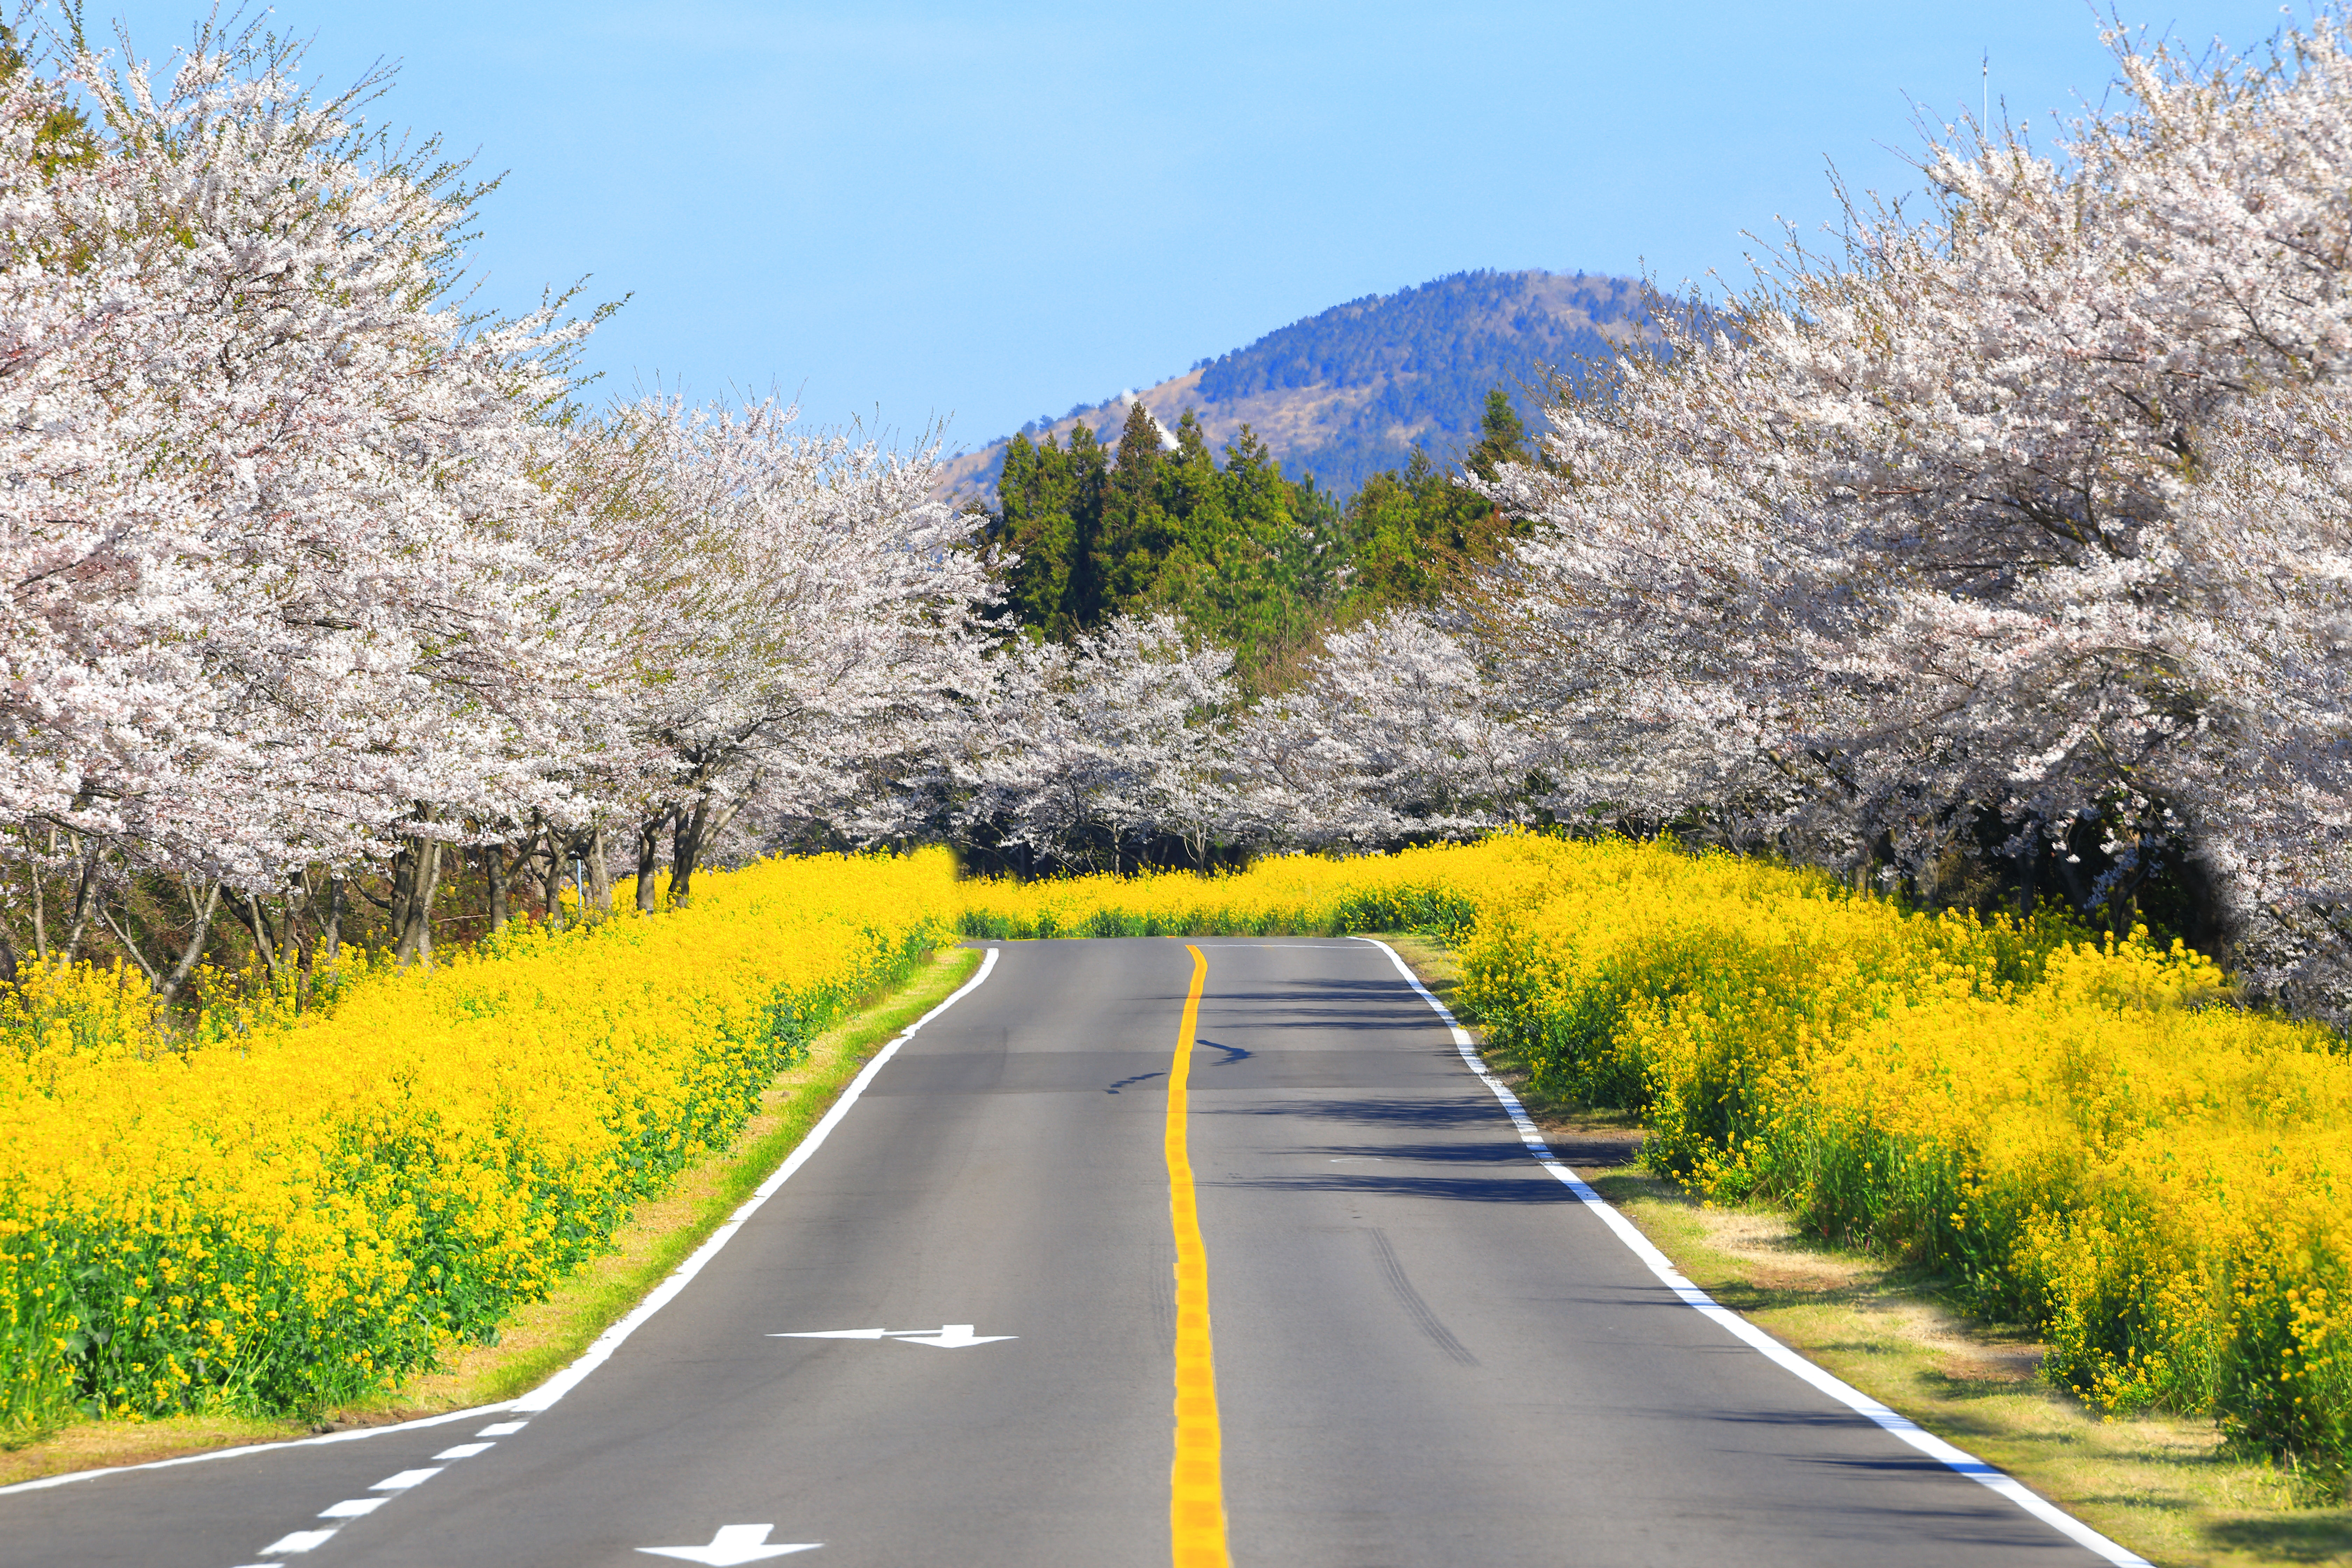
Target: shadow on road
1535	1187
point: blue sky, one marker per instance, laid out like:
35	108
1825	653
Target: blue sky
990	212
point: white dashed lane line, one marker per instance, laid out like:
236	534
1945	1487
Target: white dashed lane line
300	1540
405	1479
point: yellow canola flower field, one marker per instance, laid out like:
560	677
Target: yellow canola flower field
2085	1134
271	1213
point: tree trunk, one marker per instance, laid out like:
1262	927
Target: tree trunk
265	944
85	902
331	931
686	848
649	859
404	883
417	877
170	989
693	833
2029	874
494	884
300	902
552	882
40	907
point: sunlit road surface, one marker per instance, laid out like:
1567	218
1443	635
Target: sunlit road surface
957	1336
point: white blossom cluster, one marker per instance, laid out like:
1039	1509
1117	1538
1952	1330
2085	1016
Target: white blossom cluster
2016	536
1136	744
2014	541
2018	532
311	567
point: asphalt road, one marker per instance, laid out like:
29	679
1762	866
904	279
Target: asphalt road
1427	1350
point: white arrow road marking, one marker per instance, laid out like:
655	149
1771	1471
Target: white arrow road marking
952	1337
563	1382
733	1543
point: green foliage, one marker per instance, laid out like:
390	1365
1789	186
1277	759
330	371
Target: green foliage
1053	505
1410	534
1245	556
1251	559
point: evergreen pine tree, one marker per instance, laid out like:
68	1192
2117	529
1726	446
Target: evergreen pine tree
1136	533
1502	436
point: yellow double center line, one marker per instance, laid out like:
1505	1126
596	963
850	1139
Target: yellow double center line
1196	1489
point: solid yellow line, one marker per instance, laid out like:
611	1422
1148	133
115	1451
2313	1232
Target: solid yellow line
1196	1485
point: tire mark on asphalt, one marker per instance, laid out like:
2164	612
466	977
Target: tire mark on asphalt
1393	1270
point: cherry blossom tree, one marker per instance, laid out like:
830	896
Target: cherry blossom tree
1944	544
1082	754
1394	735
792	602
272	489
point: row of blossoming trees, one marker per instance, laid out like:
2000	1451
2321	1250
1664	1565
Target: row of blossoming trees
2005	547
321	588
2016	537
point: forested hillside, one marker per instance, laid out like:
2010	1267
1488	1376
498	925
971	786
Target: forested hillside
1415	367
1352	391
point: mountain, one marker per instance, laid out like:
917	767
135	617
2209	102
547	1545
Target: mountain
1347	393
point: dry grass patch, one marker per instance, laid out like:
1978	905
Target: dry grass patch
2164	1486
540	1339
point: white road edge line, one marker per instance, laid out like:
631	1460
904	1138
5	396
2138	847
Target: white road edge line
1739	1328
596	1355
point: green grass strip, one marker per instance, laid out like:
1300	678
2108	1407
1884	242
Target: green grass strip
752	1164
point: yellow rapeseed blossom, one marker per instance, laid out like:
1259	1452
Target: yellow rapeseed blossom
268	1213
2087	1134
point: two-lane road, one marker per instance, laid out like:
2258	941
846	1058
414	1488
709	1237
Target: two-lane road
1426	1350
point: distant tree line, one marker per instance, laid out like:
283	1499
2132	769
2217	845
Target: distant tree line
1247	557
